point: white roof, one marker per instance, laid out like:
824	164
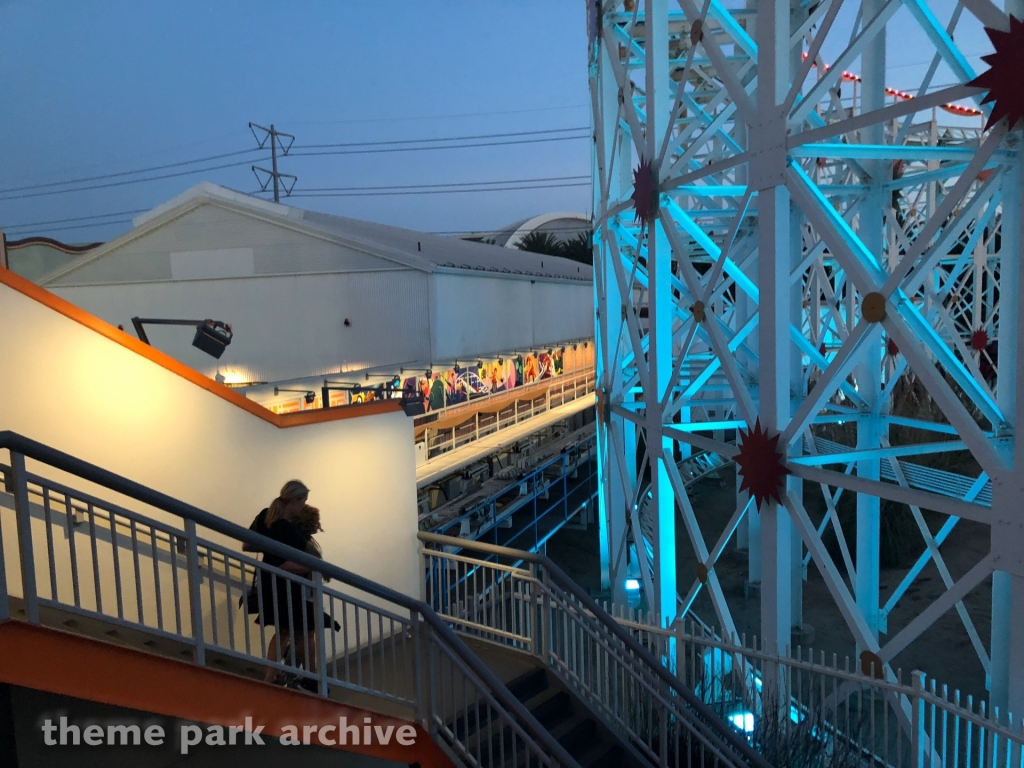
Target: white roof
421	250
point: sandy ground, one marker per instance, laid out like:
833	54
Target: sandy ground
944	652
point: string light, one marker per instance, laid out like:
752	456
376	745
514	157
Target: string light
955	109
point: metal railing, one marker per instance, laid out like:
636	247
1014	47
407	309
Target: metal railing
835	709
174	580
524	403
542	501
535	607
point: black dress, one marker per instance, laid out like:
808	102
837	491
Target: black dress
286	602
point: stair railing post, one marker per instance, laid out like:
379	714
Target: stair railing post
5	603
23	514
538	618
195	599
321	633
547	639
917	736
431	682
417	670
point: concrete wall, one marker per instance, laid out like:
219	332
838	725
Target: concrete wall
474	315
285	327
70	387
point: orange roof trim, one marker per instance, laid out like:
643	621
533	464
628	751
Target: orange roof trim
93	323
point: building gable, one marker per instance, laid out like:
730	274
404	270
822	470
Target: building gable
211	240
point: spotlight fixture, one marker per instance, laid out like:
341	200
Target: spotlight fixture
307	395
456	368
396	382
479	364
501	361
430	373
212	336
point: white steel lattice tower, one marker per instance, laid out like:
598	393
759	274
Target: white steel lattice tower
788	251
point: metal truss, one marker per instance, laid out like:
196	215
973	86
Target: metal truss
816	244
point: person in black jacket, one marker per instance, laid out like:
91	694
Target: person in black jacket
285	604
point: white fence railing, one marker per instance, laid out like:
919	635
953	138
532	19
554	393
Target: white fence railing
530	605
175	580
835	706
798	710
457	425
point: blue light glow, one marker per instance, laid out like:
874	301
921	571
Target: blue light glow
633	585
743	720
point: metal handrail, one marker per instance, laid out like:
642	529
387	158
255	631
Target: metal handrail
706	713
527	389
17	443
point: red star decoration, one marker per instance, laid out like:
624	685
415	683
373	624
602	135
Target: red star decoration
760	464
979	340
988	368
1002	80
643	191
891	348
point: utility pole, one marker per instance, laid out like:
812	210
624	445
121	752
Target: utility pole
273	175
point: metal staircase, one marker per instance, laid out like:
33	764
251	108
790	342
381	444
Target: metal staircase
169	578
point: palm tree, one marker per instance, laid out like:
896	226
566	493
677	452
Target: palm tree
580	248
541	242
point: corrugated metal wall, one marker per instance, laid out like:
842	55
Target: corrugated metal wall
276	249
476	315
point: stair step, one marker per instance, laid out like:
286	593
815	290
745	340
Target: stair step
603	755
577	735
553	711
525	687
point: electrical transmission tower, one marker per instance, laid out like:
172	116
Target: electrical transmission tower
274	175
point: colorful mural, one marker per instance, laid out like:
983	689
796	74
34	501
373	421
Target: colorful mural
457	385
451	386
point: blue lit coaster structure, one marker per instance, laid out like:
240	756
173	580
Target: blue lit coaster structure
789	251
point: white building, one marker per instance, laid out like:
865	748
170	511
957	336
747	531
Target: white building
309	293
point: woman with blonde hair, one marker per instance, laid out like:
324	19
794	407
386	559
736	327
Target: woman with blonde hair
283	603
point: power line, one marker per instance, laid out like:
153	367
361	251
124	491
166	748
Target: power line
440	146
444	138
315	192
439	191
448	184
128	173
75	226
76	218
127	182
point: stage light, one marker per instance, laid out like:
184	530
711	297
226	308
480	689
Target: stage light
479	364
308	396
212	336
396	382
633	585
501	361
456	368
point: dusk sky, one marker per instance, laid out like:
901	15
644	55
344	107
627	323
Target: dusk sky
92	88
96	87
